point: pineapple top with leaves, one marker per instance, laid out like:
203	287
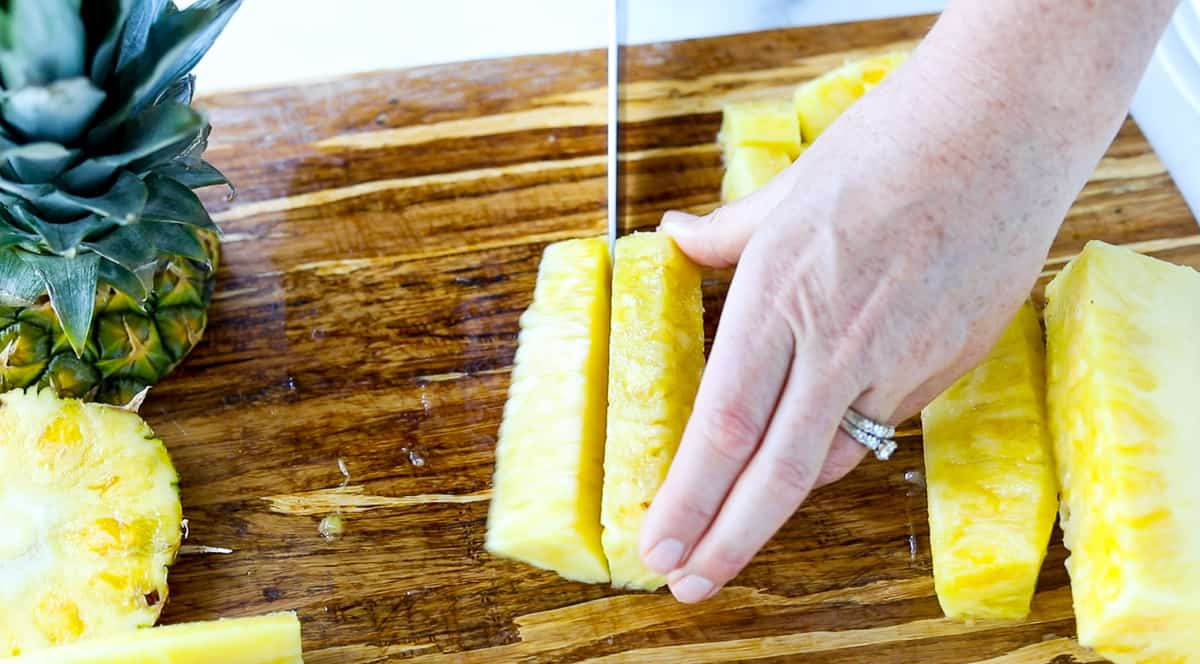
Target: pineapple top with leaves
106	254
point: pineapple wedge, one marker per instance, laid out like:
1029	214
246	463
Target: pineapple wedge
1124	374
990	475
748	169
269	639
657	356
545	507
91	521
820	101
763	123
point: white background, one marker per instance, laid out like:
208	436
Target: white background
273	42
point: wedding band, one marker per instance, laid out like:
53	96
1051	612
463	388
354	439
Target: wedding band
873	435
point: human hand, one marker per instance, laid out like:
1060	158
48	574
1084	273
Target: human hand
872	273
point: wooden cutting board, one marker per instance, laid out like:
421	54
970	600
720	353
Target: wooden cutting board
384	242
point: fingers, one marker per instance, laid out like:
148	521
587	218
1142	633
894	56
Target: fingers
718	238
771	487
735	402
844	456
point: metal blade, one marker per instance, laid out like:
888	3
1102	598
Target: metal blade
616	10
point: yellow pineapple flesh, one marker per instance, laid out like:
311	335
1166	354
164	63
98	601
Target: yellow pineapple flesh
820	101
1124	375
766	123
92	520
748	169
657	356
545	507
990	476
269	639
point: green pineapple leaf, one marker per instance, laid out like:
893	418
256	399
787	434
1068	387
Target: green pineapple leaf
180	92
126	281
126	246
104	21
156	135
71	283
142	16
19	283
38	163
57	112
174	45
62	239
122	203
174	239
45	42
174	203
192	173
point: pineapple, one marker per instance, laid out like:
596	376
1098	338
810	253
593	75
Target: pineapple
748	169
820	101
92	519
545	507
990	474
106	255
1124	372
269	639
766	123
657	356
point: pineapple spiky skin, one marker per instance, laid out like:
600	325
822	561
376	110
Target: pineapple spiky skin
820	101
1123	375
270	639
93	521
990	475
545	507
101	235
656	357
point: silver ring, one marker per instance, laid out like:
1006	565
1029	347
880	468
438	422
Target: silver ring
873	435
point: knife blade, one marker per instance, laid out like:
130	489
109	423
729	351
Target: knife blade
615	15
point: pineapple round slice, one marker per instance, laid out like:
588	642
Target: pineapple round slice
89	521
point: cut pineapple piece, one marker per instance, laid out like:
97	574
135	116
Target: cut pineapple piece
990	474
763	123
657	356
820	101
269	639
748	169
545	507
92	519
1124	372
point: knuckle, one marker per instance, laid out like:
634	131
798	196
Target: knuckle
733	434
793	475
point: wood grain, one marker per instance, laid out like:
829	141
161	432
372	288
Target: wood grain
384	243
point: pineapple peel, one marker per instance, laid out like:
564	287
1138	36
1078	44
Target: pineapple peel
93	521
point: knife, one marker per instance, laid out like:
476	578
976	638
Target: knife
615	15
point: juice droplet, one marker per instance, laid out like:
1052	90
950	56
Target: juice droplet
331	526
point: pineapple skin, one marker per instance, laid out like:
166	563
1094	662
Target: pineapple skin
545	507
269	639
748	169
769	124
1124	372
92	521
820	101
990	477
656	359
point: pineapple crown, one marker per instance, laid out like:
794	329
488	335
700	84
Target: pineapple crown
100	148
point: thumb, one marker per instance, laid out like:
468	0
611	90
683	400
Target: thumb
718	238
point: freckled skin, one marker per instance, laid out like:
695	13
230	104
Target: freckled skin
887	260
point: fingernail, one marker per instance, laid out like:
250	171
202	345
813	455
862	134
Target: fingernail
692	588
675	220
664	556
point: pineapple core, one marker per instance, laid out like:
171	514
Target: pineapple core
92	519
820	101
1124	375
269	639
545	507
657	356
990	477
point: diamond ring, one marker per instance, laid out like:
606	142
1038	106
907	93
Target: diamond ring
873	435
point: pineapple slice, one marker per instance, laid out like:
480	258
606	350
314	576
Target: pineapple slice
657	355
92	519
748	169
763	123
269	639
545	507
1124	372
820	101
990	475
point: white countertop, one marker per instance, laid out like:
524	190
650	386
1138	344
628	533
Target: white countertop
272	42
